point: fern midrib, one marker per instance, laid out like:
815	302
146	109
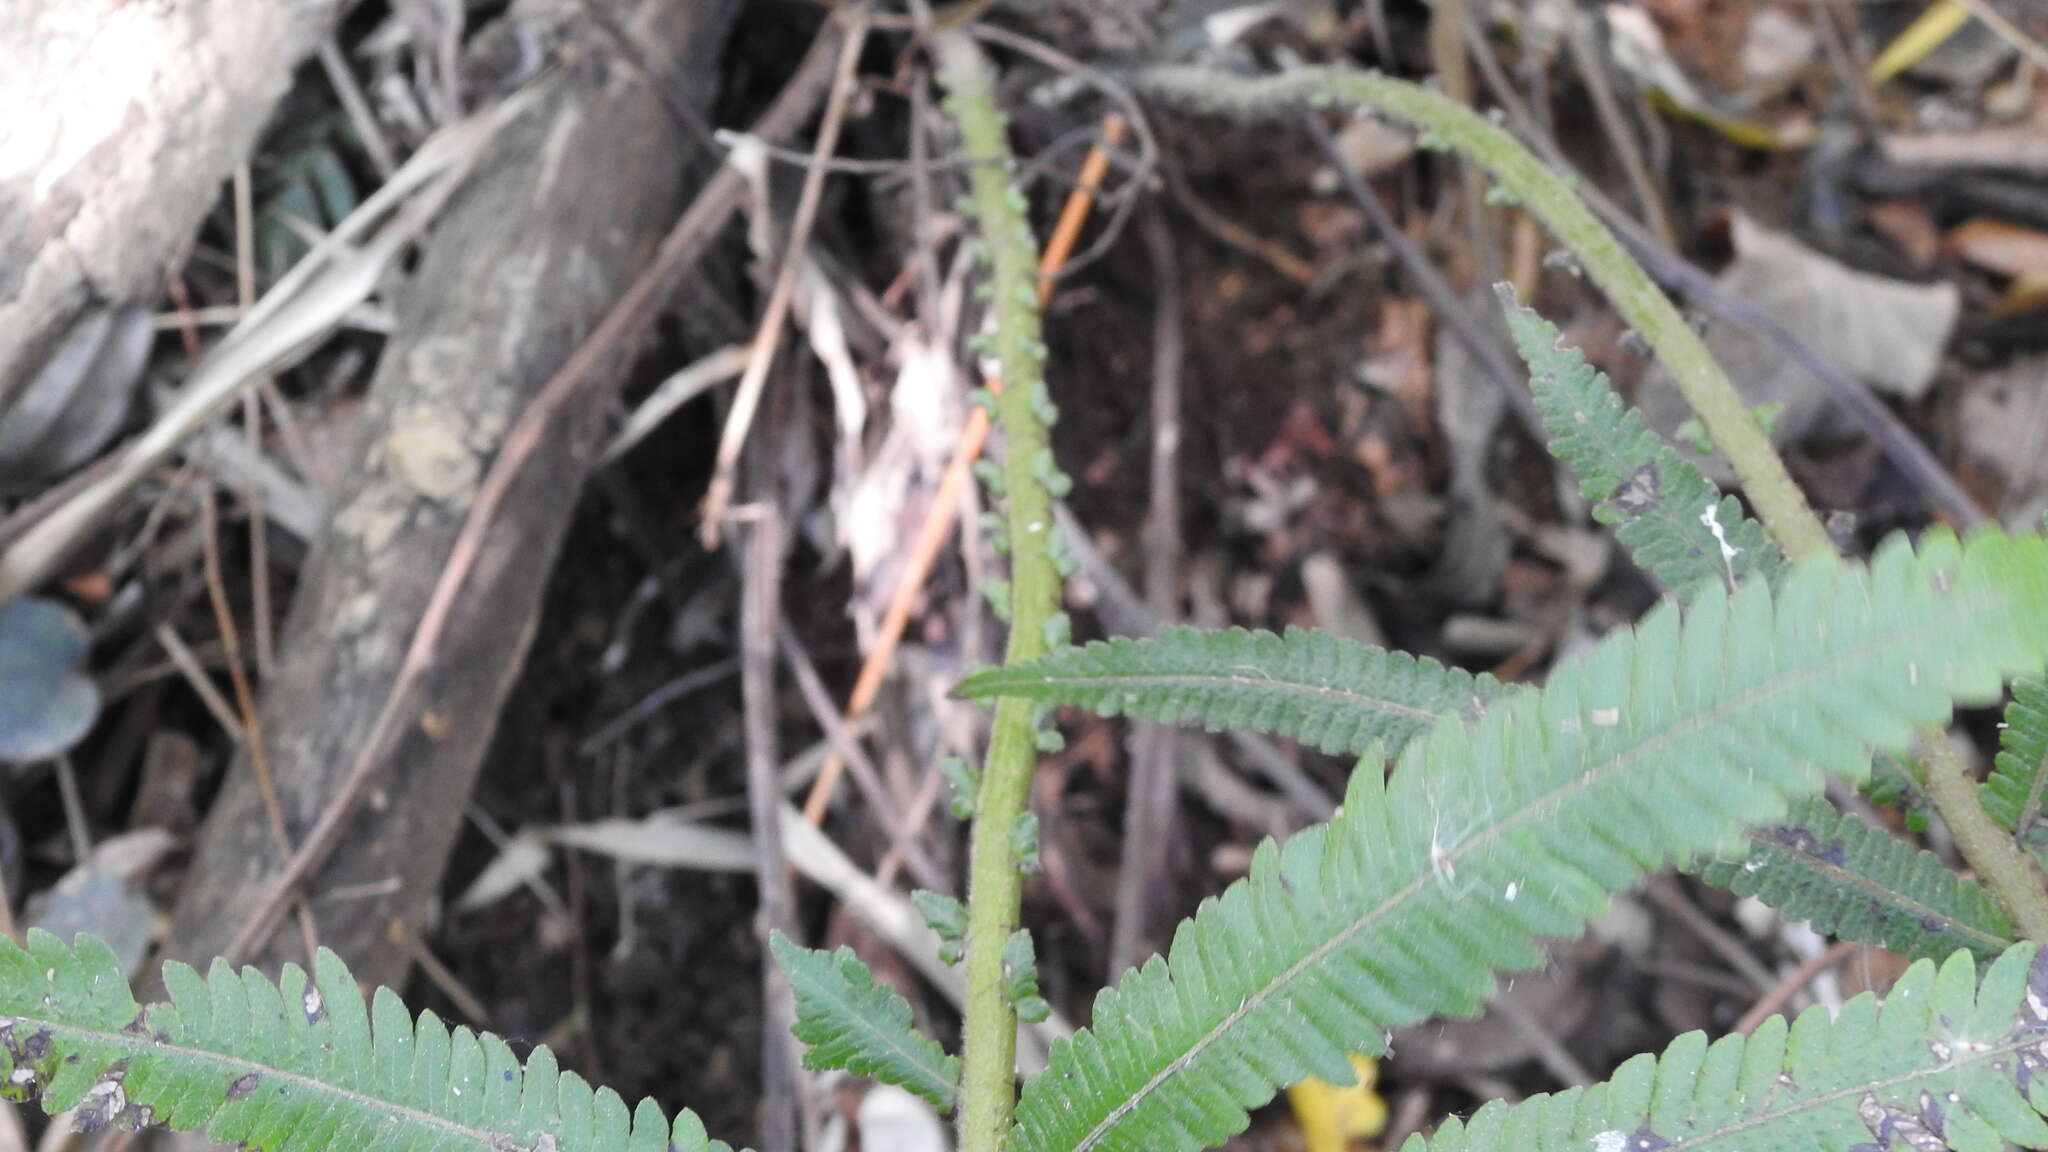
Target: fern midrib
145	1046
1883	894
1262	683
1650	745
1836	1096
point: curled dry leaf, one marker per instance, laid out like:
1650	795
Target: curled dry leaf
1890	334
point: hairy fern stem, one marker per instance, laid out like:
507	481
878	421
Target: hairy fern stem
1779	503
989	1028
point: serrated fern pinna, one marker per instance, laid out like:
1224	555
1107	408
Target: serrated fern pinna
300	1065
1947	1062
1492	835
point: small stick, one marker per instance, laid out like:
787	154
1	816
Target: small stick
245	700
1773	1002
843	744
1149	804
747	399
760	596
252	431
938	518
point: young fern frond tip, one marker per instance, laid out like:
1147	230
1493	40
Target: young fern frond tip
1671	518
299	1065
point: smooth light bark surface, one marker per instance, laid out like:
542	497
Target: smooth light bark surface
119	121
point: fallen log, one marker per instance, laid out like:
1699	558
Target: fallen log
535	250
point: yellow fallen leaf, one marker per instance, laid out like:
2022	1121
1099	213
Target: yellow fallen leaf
1941	20
1331	1117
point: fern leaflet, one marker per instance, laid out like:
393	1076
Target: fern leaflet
848	1019
301	1065
2013	793
1672	519
1655	748
1857	881
1334	694
1945	1063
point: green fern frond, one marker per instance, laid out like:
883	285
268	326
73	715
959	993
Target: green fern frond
2013	794
302	1065
1491	835
850	1020
1854	880
1945	1063
1672	519
1330	693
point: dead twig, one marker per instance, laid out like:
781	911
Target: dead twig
760	598
865	777
1143	864
1478	343
747	399
245	699
1774	1001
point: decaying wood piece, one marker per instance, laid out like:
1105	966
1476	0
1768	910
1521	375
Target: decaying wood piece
525	263
121	120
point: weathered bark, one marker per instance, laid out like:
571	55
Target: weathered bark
118	122
527	260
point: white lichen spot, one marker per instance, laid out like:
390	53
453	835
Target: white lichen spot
1606	717
1711	517
108	1097
1610	1141
1441	863
426	449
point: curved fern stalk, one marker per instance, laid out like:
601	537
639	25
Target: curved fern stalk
1027	477
1945	1063
2013	794
1656	748
1670	517
1334	694
1856	881
1447	124
301	1065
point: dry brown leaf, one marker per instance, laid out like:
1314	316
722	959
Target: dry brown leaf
1889	333
1998	246
1908	226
